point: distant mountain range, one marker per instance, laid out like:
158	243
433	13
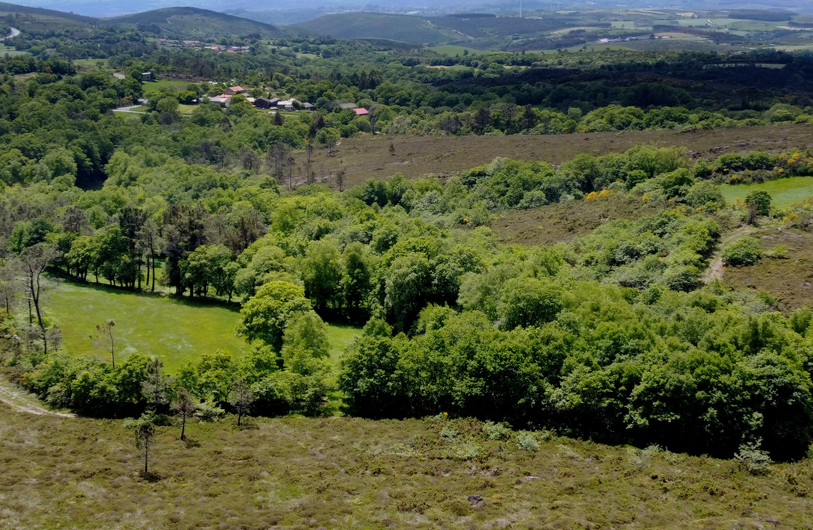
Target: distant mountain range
484	30
186	22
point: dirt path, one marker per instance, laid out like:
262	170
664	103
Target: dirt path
716	268
22	401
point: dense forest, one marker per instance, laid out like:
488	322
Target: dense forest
613	336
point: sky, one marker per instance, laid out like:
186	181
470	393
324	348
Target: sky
314	8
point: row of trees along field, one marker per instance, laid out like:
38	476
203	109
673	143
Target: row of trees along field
610	337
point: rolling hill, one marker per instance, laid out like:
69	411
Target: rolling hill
480	31
402	28
36	19
198	23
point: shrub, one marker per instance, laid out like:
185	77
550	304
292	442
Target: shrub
464	451
759	201
753	459
495	431
778	252
449	434
800	320
527	442
705	195
533	199
742	253
208	413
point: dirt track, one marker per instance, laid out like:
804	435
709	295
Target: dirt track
24	402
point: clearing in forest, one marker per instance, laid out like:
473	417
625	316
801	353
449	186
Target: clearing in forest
176	330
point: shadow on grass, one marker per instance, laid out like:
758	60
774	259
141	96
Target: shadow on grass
191	443
247	425
151	477
111	289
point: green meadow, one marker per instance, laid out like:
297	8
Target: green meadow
178	86
784	192
176	330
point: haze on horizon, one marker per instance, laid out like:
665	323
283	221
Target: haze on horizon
316	8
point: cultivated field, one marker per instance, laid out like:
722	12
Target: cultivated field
367	157
176	330
298	473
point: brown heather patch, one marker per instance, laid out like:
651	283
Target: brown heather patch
354	473
789	280
366	157
560	223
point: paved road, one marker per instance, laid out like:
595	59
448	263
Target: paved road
14	33
129	110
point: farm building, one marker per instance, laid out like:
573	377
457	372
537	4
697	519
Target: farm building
266	103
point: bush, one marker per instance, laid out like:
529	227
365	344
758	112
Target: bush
495	431
527	442
778	252
705	195
742	253
449	434
207	412
759	201
753	459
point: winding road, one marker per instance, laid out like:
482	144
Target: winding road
14	33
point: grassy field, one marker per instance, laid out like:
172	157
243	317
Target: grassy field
784	192
10	51
173	84
173	329
299	473
415	156
89	64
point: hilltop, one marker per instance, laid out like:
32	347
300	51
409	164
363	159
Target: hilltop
189	22
481	31
403	28
198	23
36	19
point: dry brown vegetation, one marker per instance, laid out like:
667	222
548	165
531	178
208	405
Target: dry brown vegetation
789	280
561	222
367	157
354	473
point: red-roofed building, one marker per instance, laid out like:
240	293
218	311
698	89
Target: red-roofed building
361	112
235	90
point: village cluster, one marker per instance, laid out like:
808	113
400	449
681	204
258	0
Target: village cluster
224	100
198	44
